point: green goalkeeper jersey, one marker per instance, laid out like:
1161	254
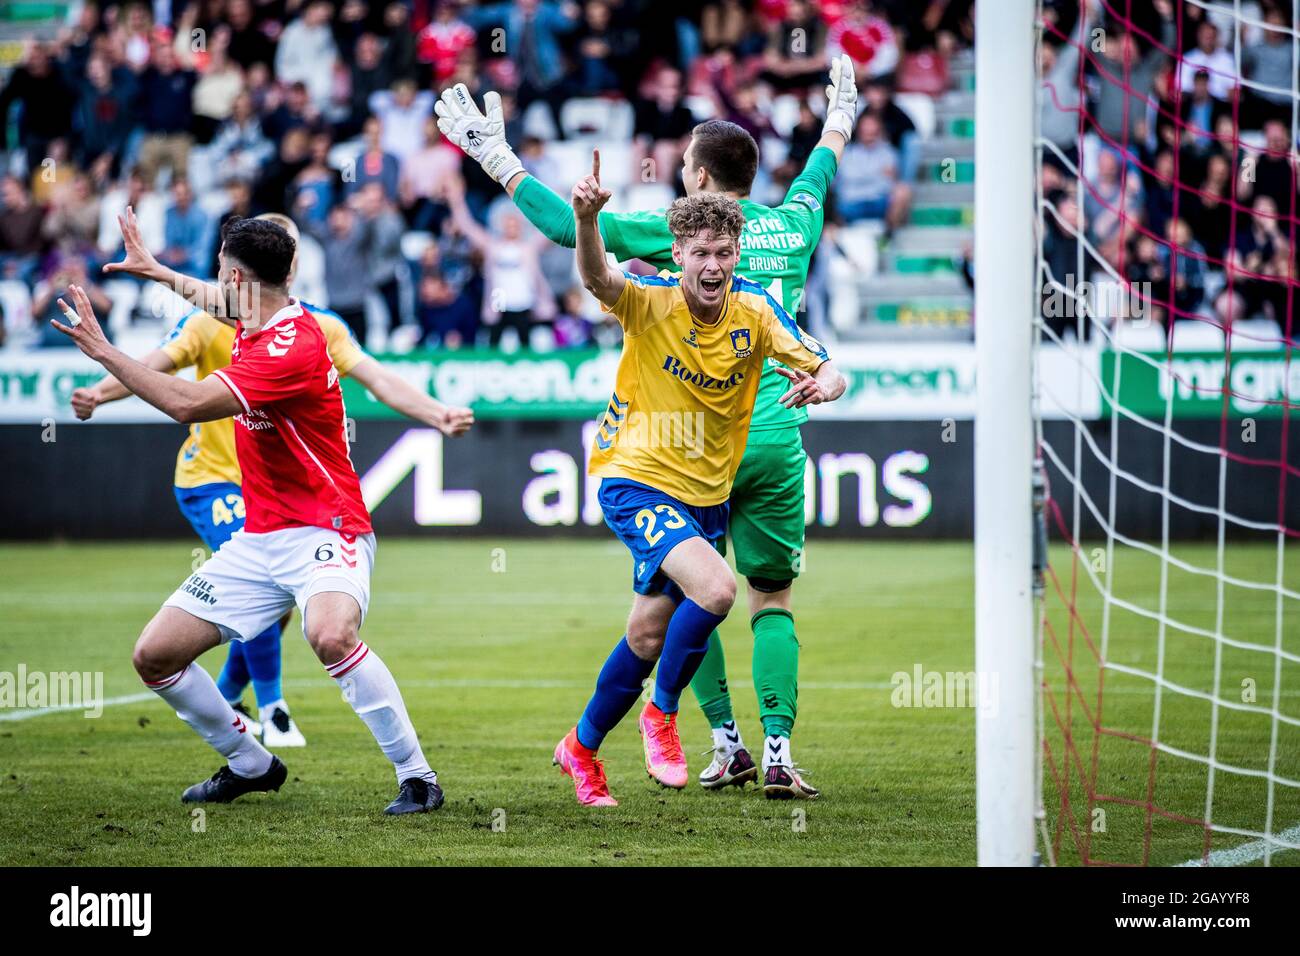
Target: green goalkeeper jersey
775	251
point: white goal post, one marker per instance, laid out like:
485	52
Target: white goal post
1006	766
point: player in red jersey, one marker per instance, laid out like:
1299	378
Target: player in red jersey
307	538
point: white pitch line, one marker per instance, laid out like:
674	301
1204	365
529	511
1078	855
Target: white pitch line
28	713
1247	852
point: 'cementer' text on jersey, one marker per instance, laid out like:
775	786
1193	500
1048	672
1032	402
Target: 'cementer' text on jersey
291	437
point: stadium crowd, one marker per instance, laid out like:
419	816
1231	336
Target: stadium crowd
1170	134
196	112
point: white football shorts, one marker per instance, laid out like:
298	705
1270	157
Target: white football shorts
252	579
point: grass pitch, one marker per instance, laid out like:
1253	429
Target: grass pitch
496	652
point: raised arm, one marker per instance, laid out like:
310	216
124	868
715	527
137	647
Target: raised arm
108	389
841	106
183	401
598	277
479	237
401	396
139	261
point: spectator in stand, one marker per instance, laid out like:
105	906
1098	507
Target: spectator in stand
104	115
866	37
1145	271
1113	207
516	295
1200	113
130	35
343	240
1158	187
796	58
368	74
533	31
69	269
272	190
56	170
742	108
867	184
1122	78
218	86
319	181
383	231
21	240
419	186
446	312
403	112
239	149
375	164
296	111
167	92
47	103
442	41
1187	271
899	128
72	222
306	53
187	232
805	135
239	205
600	49
1210	56
663	123
1274	170
400	49
150	211
1209	210
1269	61
249	44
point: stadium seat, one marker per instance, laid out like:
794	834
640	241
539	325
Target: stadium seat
16	301
597	118
920	109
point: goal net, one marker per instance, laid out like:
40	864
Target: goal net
1165	388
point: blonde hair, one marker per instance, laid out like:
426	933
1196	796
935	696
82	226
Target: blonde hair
705	212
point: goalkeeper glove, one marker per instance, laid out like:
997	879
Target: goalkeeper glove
482	137
842	97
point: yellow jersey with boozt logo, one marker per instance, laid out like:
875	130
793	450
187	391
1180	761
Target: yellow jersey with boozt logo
198	339
684	393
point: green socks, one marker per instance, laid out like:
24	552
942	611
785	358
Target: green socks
776	670
710	685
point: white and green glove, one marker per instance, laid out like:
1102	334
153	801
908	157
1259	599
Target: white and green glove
482	137
842	97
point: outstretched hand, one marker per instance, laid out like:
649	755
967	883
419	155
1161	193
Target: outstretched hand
589	197
805	389
83	327
138	260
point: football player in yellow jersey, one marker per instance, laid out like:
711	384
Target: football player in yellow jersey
667	451
207	482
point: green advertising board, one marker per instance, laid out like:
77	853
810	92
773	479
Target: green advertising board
1259	384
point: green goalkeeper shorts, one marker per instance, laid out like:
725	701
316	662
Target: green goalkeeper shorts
767	506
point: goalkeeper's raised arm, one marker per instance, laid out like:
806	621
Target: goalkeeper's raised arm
482	137
599	278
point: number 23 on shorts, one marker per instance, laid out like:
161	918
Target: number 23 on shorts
645	520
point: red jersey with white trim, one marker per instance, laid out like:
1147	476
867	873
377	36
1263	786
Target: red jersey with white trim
291	438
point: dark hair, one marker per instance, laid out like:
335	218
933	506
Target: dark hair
262	247
728	152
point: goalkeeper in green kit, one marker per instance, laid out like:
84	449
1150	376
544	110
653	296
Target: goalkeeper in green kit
767	499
